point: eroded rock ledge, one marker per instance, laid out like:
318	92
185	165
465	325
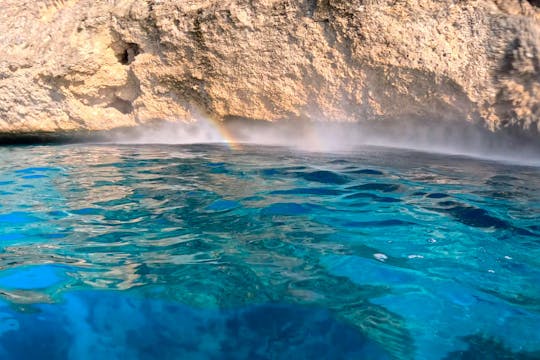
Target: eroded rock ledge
85	65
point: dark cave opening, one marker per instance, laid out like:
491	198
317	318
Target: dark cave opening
129	53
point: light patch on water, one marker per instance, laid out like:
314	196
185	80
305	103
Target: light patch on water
380	257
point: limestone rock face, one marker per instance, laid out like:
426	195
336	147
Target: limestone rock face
77	65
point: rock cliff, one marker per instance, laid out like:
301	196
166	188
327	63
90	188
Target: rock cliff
85	65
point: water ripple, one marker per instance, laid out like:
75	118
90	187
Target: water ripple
216	253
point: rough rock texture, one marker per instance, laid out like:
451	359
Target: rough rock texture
101	64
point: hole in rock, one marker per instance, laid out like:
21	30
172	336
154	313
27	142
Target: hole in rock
130	52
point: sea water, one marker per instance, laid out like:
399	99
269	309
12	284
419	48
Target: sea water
203	252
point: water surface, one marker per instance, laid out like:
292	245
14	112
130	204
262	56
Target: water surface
202	252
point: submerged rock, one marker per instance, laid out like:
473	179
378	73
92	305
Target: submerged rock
88	65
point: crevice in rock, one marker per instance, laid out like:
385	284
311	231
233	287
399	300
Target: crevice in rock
534	2
510	56
128	53
311	7
197	32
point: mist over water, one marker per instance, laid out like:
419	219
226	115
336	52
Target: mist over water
448	137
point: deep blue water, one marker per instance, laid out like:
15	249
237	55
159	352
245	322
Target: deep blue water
201	252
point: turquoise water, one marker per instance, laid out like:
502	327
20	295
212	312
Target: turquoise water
202	252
